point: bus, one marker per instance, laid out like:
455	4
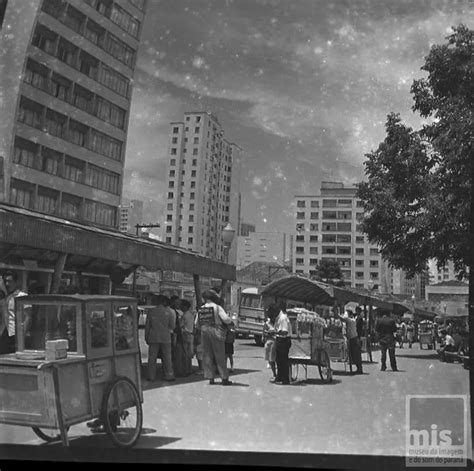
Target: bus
251	315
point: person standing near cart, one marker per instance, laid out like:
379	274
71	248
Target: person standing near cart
282	347
353	340
386	329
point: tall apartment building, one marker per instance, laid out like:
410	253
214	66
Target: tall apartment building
131	214
399	283
328	227
261	247
203	186
441	274
65	79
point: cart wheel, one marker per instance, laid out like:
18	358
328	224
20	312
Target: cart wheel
293	371
48	435
122	413
324	366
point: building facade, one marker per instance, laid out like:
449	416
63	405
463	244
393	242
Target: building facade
327	226
131	214
65	78
203	186
246	228
261	247
399	283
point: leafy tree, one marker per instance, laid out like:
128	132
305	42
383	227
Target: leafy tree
328	271
419	196
418	192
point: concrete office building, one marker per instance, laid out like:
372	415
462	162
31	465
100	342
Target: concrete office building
327	226
65	79
246	228
203	186
131	214
261	247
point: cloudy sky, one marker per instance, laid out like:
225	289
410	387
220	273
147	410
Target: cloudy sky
302	86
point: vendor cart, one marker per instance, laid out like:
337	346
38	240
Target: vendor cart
308	346
77	358
426	334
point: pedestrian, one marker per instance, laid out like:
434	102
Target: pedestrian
410	333
11	291
282	347
212	321
187	328
198	345
386	329
353	340
269	333
177	350
159	327
229	346
359	322
447	344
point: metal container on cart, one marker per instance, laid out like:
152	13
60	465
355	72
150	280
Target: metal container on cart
77	358
426	334
308	346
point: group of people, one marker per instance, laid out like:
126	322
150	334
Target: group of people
174	332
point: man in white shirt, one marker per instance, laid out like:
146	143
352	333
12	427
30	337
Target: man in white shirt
353	340
447	345
7	319
282	346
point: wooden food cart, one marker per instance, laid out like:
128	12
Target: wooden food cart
77	358
426	334
308	346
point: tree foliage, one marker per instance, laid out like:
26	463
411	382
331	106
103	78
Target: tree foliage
417	196
328	271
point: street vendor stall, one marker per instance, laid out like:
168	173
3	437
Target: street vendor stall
308	346
76	359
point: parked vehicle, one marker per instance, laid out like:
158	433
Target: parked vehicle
251	315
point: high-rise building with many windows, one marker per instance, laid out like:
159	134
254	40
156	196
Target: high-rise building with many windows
131	214
328	227
203	193
65	79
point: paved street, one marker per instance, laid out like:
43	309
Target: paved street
361	414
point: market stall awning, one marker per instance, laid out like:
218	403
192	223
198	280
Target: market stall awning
317	293
31	238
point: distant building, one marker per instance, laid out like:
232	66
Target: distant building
327	226
246	229
452	296
203	186
399	283
131	214
441	274
66	84
262	247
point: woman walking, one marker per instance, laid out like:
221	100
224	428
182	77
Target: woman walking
270	333
212	320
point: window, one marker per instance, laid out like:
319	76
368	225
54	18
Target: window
300	227
169	229
169	217
328	250
359	274
329	203
74	19
170	207
359	263
170	195
191	218
83	99
329	226
73	169
36	74
313	238
190	240
191	207
190	229
172	162
300	215
359	239
344	238
61	87
110	113
113	80
168	240
374	275
56	123
174	140
94	33
344	202
315	204
198	119
173	151
359	216
77	133
329	238
314	215
53	7
30	112
51	160
175	130
70	206
196	130
99	213
313	250
314	227
344	226
120	50
299	261
359	251
193	184
192	195
344	215
300	238
171	184
44	39
194	162
195	151
102	179
374	264
126	21
21	193
374	252
25	153
172	173
329	214
299	249
105	145
343	250
67	52
313	261
47	200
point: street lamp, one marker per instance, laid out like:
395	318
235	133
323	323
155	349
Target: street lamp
228	234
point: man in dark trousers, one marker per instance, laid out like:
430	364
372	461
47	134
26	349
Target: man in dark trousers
386	329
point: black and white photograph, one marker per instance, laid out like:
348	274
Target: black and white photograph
237	233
